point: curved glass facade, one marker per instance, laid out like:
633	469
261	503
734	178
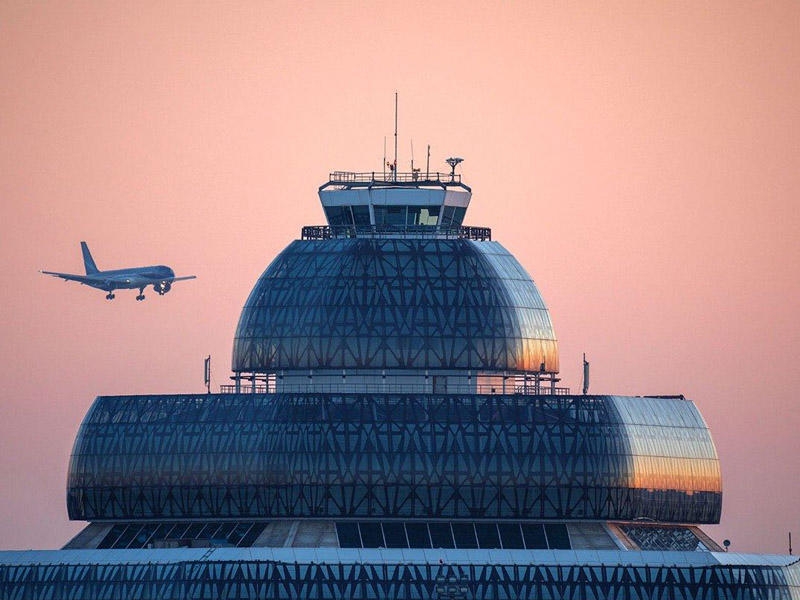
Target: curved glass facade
397	303
394	456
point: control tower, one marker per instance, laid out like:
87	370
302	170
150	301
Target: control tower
395	427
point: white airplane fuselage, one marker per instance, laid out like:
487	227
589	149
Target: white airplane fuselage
160	277
129	279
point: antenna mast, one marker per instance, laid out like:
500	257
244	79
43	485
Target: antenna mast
207	373
585	375
394	171
428	164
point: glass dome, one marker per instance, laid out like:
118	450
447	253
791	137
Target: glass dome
398	303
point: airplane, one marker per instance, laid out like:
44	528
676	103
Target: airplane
160	277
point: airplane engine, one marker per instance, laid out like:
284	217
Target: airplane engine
162	287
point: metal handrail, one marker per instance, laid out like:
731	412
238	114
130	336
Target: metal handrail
417	177
544	389
326	232
347	179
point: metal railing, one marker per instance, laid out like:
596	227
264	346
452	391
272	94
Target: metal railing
543	389
388	177
326	232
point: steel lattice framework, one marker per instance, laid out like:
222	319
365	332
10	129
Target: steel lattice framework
395	304
394	456
397	579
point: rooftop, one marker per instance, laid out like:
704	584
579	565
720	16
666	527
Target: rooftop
350	179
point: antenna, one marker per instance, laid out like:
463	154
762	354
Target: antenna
585	375
414	172
207	373
453	162
394	170
384	158
428	164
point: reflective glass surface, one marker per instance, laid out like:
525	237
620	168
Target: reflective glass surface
395	303
394	456
181	535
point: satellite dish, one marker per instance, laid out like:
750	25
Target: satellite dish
726	543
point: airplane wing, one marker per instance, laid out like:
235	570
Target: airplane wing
90	280
69	277
183	278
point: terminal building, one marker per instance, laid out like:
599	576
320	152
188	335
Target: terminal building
395	427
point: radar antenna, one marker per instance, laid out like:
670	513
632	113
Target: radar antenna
453	162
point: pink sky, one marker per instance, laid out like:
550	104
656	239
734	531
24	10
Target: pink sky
641	159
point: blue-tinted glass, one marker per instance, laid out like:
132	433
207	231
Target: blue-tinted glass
242	456
371	535
534	536
348	535
510	536
557	536
418	535
361	214
487	535
320	300
464	535
395	535
441	536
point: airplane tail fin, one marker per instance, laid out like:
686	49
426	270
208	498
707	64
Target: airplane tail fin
88	261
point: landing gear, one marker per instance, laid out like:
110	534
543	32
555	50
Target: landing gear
141	294
110	296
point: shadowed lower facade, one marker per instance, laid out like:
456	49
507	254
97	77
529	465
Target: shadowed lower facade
395	428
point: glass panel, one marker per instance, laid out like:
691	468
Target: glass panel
487	535
534	536
371	535
224	531
464	535
395	535
128	535
348	535
441	536
429	215
557	536
252	535
338	215
196	528
111	537
510	536
361	215
418	535
395	215
458	215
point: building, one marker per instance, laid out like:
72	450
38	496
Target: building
395	429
